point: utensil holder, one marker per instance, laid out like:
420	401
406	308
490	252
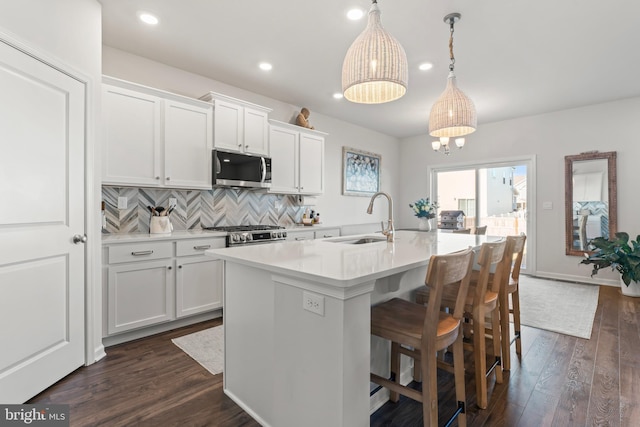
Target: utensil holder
160	225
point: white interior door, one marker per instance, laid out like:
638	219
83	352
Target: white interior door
42	134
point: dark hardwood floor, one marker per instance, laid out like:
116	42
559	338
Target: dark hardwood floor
558	381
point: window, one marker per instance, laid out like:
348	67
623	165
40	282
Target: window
494	195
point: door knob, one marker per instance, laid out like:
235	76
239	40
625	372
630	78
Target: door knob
80	238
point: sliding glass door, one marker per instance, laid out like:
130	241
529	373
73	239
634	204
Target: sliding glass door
495	195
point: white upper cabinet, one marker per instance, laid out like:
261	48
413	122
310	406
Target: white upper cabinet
131	143
239	126
284	143
311	163
187	145
297	159
153	138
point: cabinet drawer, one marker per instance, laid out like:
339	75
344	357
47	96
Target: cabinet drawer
140	252
331	232
300	235
198	246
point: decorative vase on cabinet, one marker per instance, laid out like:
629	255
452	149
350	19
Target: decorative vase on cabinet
424	224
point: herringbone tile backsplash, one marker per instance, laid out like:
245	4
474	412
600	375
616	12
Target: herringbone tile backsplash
198	208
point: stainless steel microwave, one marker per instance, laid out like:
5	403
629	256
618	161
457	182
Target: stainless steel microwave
240	170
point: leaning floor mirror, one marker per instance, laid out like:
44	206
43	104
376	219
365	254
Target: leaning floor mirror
590	199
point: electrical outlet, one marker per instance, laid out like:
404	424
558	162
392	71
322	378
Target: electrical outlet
122	203
313	302
173	202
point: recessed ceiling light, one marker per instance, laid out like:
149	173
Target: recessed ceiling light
148	18
425	66
265	66
338	95
355	14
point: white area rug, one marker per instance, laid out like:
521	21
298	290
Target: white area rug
567	308
205	347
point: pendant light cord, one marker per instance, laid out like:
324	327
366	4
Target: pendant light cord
453	59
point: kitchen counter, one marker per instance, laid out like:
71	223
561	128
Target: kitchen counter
343	265
297	321
193	234
146	237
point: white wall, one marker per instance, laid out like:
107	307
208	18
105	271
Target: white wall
334	208
69	30
603	127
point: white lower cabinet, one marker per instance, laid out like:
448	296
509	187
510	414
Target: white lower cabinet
148	283
140	294
199	278
198	285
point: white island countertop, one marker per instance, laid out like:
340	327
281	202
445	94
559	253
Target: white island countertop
334	261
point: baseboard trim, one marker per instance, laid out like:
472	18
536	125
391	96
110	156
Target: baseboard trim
99	353
575	279
245	408
156	329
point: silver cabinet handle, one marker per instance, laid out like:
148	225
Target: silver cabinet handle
80	238
202	247
140	253
301	238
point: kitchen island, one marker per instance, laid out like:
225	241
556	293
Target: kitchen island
297	321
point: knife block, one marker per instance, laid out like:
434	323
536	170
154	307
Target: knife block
160	225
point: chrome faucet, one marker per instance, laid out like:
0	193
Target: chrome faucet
389	231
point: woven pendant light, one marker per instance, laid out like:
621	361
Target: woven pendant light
453	114
375	69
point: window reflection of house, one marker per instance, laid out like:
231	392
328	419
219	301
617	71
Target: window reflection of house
520	192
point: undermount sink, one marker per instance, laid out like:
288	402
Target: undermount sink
360	240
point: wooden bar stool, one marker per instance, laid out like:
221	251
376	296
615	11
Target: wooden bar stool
481	301
419	332
510	290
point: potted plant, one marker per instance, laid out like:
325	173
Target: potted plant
620	254
425	210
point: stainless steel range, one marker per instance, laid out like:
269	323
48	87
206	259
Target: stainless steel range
251	234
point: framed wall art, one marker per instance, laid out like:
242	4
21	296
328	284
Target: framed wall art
360	172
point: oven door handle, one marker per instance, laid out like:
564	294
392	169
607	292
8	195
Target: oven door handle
263	169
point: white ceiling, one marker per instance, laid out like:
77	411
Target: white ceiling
513	57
